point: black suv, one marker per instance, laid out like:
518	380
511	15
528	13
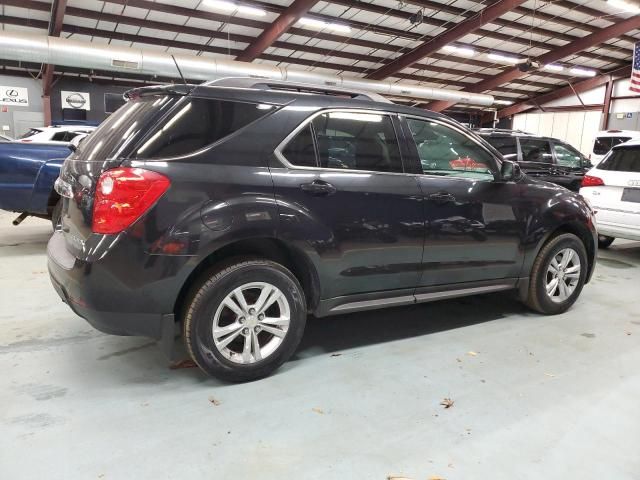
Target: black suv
233	212
544	158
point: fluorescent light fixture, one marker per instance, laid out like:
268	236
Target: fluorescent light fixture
232	7
462	51
503	102
256	12
554	67
624	6
583	72
319	24
221	5
504	58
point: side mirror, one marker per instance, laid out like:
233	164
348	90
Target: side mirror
510	171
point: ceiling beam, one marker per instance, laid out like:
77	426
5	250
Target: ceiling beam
456	32
287	18
580	87
553	56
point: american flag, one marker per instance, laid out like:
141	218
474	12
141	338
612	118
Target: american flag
635	73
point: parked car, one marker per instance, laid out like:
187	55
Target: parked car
613	188
58	134
608	139
27	174
235	212
544	158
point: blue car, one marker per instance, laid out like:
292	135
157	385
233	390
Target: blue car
27	174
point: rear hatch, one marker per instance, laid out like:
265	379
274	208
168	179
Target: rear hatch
106	148
620	194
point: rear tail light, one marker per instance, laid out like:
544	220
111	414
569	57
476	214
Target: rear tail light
591	181
123	195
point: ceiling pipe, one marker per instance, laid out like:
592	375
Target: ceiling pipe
94	56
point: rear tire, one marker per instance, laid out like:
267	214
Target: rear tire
605	241
553	284
245	320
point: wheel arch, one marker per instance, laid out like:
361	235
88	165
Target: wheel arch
267	248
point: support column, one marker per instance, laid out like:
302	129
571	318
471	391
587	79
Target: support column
46	108
606	108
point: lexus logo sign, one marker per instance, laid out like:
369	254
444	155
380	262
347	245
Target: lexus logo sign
15	96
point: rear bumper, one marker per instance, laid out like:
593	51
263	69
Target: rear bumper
93	293
618	223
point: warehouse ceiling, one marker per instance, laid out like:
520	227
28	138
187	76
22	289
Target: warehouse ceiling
447	44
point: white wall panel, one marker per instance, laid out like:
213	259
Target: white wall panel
560	125
546	124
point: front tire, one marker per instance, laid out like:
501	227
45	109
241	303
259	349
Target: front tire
245	320
558	275
605	241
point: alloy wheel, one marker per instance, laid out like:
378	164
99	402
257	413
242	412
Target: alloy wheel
563	275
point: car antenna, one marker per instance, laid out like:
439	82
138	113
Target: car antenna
180	72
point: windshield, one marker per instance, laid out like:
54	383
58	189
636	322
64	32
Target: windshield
602	145
31	133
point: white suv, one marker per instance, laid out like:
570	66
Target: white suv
608	139
613	189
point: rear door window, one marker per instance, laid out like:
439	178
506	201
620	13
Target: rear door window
300	151
534	150
358	141
506	145
622	160
602	145
196	123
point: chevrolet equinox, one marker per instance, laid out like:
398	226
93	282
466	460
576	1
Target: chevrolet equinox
234	209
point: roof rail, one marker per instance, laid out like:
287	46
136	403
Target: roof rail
270	84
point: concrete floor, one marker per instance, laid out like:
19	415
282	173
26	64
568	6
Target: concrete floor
534	397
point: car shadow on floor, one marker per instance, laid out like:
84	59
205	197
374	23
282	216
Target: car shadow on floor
342	332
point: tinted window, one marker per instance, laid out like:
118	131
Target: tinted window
64	136
602	145
567	156
445	151
196	123
360	141
122	128
505	145
300	151
535	150
622	160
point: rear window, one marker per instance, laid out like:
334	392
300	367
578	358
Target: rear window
196	123
505	145
122	128
622	160
602	145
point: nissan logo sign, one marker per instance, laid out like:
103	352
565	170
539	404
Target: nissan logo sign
75	100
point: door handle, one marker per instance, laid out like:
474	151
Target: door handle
318	188
441	198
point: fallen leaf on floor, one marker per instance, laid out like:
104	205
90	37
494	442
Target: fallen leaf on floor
436	477
549	374
395	477
145	404
447	403
186	363
215	401
451	465
335	354
318	410
472	353
588	335
628	333
458	360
